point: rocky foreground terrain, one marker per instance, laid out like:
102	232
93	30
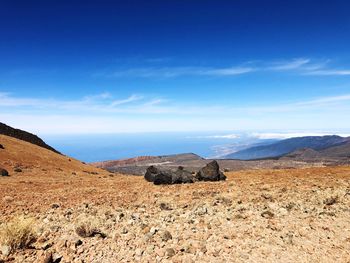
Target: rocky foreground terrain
67	211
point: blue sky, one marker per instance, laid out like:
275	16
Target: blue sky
137	66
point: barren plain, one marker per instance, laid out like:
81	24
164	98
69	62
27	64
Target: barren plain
80	213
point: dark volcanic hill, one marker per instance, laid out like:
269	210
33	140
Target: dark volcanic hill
339	153
289	145
138	165
24	136
342	150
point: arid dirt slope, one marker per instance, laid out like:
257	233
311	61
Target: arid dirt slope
290	215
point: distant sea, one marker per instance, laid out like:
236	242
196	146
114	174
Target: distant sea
92	148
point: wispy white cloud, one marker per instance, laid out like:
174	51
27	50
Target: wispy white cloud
138	104
100	102
170	72
325	100
132	98
302	66
227	71
306	66
141	109
6	100
246	136
104	95
155	102
221	136
289	65
287	135
329	72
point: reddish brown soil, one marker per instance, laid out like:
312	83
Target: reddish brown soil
256	215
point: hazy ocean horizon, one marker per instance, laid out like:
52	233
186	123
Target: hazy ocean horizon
101	147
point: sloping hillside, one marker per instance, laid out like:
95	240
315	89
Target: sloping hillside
339	153
27	156
289	145
24	136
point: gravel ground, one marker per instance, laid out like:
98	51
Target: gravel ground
291	215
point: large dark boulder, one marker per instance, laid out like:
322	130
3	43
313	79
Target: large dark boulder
161	176
151	173
158	176
182	176
211	172
3	172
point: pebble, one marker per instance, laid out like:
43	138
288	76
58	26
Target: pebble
170	252
5	250
153	230
165	235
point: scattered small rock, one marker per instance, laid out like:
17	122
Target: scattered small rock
56	258
4	172
86	231
153	230
55	206
201	210
2	147
165	235
43	245
165	206
267	214
124	231
331	200
170	252
47	258
7	199
78	242
17	170
5	250
138	252
267	197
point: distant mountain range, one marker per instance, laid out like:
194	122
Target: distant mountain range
290	153
308	145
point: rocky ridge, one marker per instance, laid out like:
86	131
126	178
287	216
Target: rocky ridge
24	136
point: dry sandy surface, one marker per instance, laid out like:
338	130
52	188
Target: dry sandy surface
290	215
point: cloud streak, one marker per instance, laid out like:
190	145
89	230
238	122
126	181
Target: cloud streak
287	135
171	72
103	113
306	66
301	66
329	72
130	99
289	65
106	103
